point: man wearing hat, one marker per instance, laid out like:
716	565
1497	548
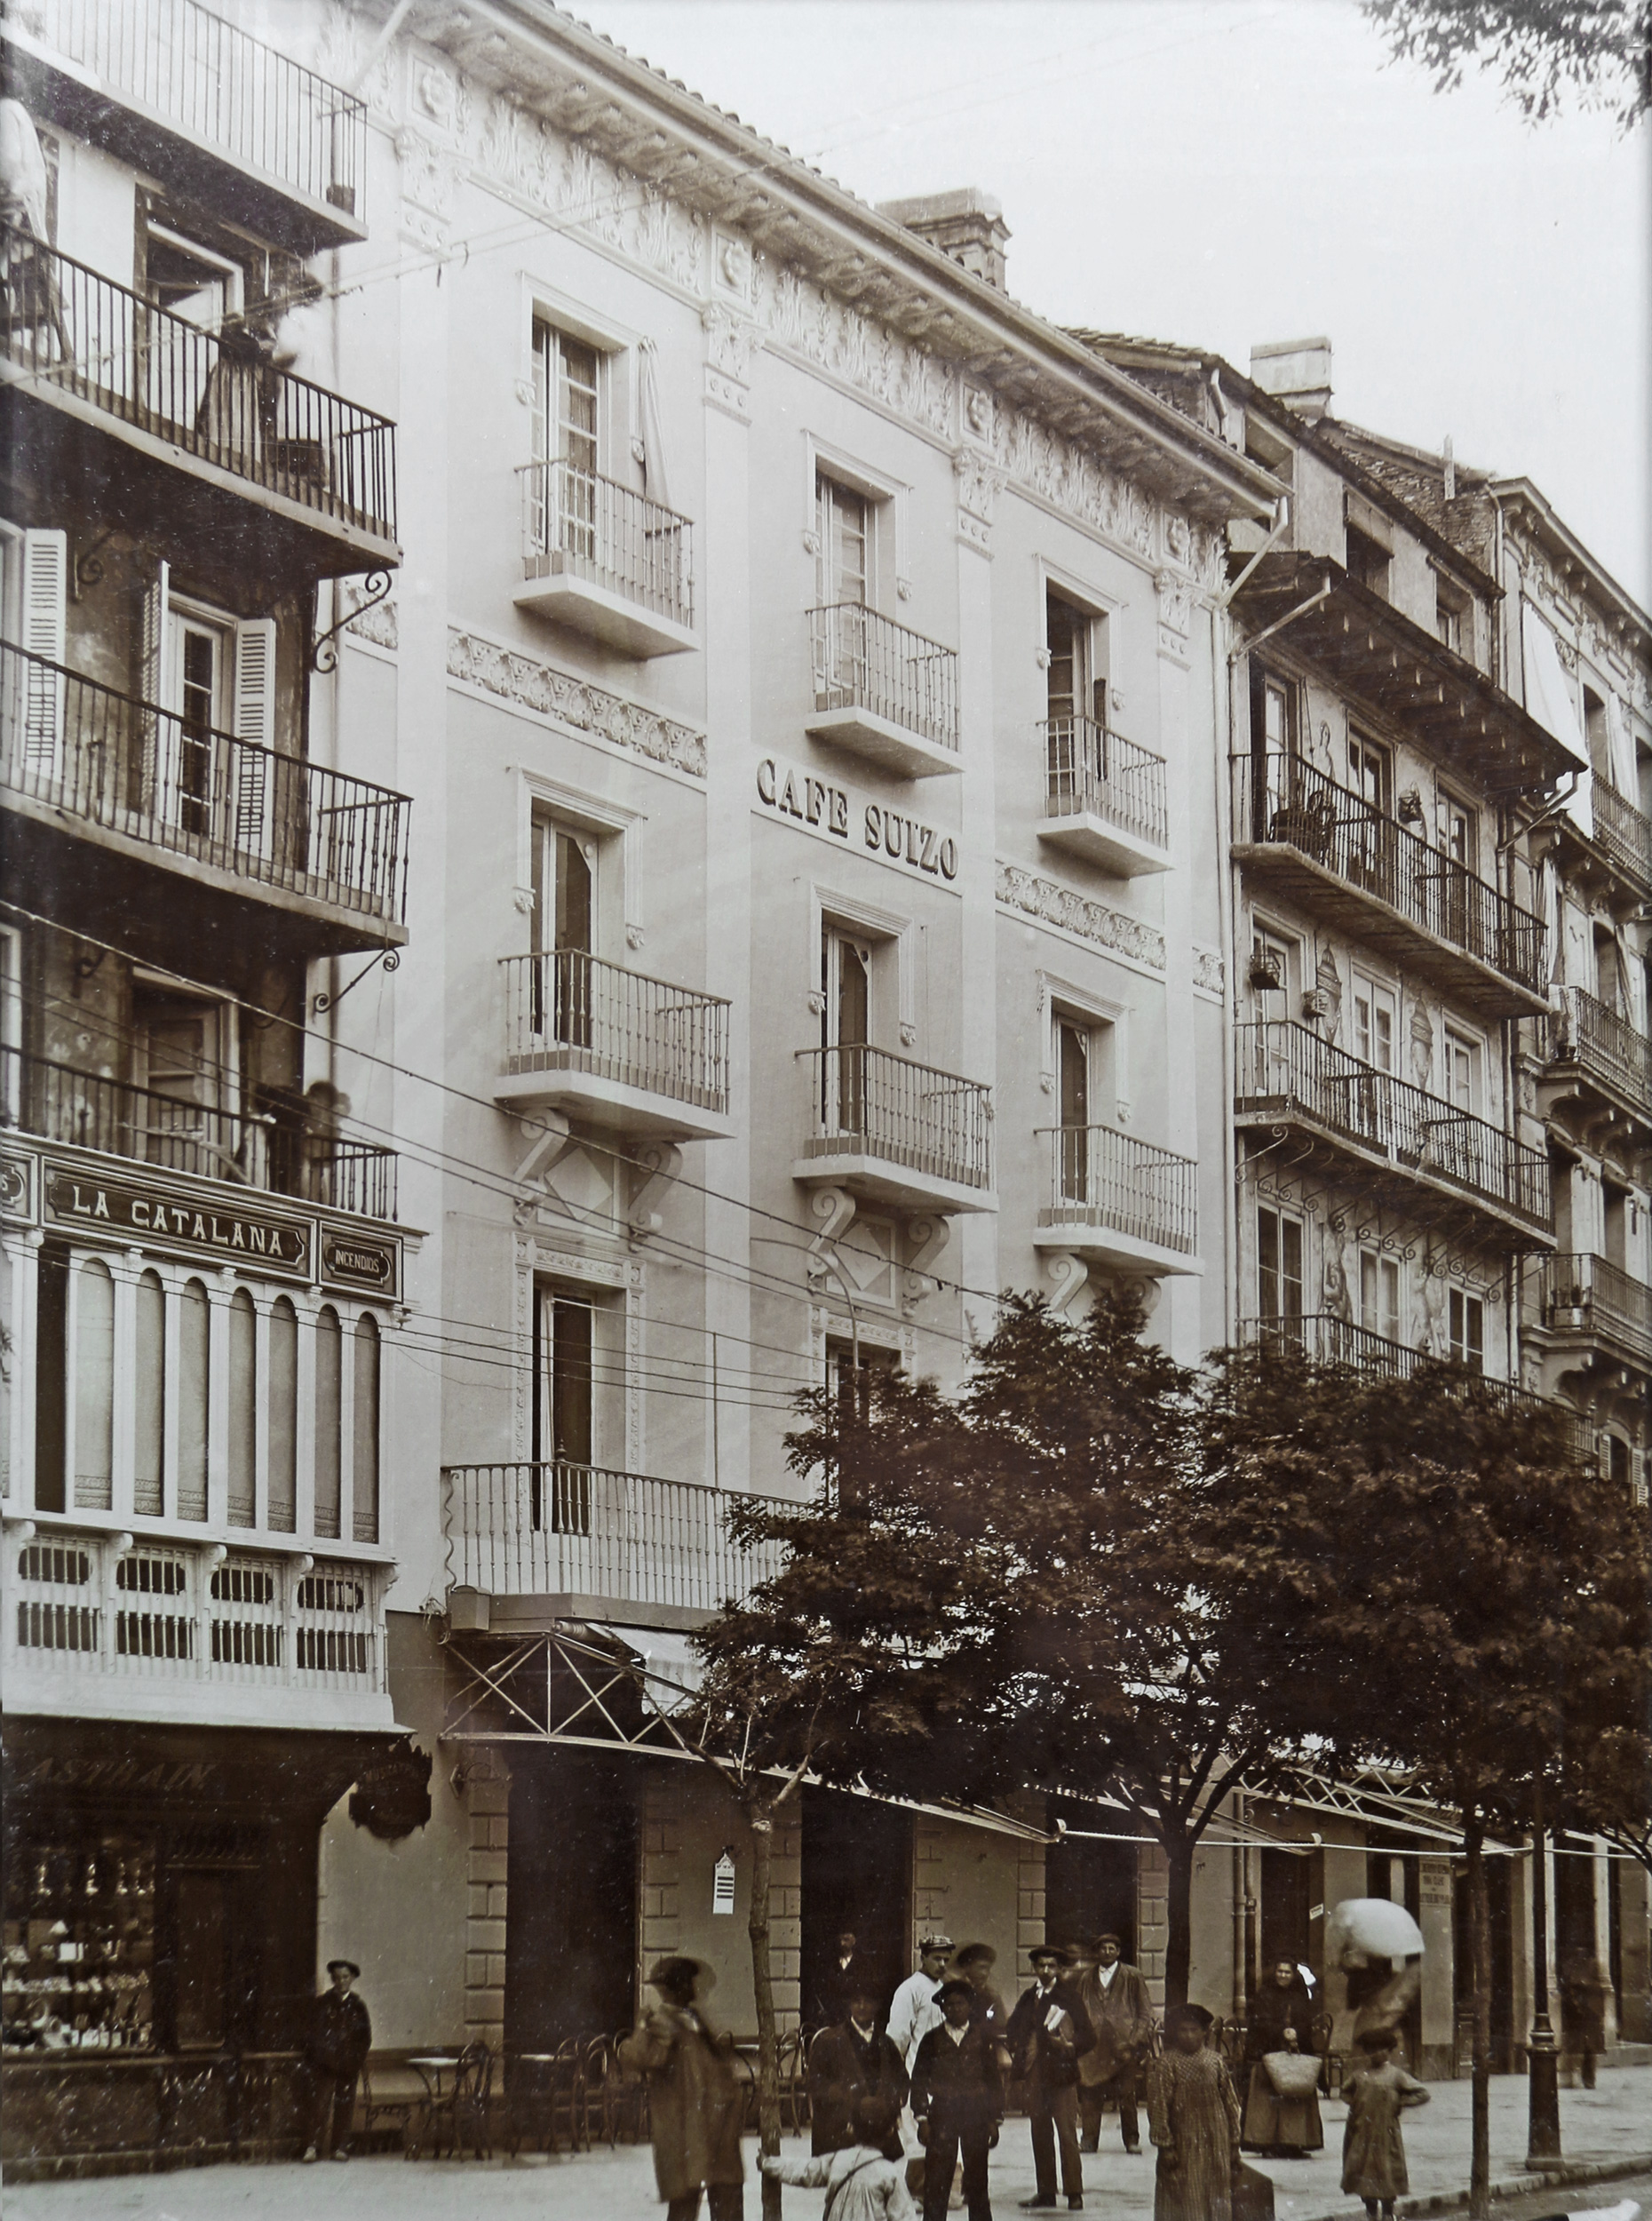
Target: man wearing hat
845	2062
694	2102
957	2097
1048	2034
335	2051
913	2012
1116	2004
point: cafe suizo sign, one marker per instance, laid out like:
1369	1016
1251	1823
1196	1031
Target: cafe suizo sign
160	1215
819	806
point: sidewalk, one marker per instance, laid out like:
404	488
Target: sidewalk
1612	2124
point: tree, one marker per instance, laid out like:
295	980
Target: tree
1546	51
1478	1616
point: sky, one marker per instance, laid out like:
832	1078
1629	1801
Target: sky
1226	173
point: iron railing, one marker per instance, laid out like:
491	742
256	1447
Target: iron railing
179	785
1624	831
88	1110
219	397
568	1012
85	2103
263	110
862	661
1585	1032
1328	1339
1100	1177
1283	1067
575	521
1283	801
555	1528
1577	1290
1089	769
865	1102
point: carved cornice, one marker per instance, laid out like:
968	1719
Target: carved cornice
1074	913
1210	973
541	687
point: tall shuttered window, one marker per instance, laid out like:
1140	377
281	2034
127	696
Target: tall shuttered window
329	1422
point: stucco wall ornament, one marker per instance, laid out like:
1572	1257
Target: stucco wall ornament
551	693
1077	914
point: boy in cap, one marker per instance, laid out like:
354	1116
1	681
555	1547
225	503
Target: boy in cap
957	2097
845	2062
1048	2034
335	2046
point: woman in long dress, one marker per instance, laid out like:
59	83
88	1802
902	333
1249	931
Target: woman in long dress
1192	2119
1281	2019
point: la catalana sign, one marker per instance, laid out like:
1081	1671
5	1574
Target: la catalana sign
152	1215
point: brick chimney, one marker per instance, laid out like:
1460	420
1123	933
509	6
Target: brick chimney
1297	372
967	224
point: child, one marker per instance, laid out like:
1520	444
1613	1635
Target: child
1373	2151
1193	2118
861	2185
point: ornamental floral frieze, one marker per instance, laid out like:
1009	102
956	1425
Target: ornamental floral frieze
531	685
1075	913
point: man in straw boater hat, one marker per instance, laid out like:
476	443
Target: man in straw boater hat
1048	2034
913	2012
335	2046
694	2103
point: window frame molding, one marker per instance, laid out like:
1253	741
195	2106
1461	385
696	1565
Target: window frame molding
1089	1007
606	822
887	576
1091	601
616	345
830	906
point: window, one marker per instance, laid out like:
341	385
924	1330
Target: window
183	1056
1466	1317
1273	971
1461	831
1076	644
244	1408
1371	774
1462	1071
191	280
846	1027
149	1399
283	1420
1368	561
844	522
214	674
1074	1045
1451	607
1276	783
1376	1027
94	1386
563	1415
564	872
1380	1294
841	1377
194	1345
11	1024
1278	1267
563	516
364	1467
329	1422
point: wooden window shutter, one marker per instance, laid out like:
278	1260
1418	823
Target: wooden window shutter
155	777
45	600
255	723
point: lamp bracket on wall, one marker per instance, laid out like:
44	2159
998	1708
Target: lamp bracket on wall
323	647
391	958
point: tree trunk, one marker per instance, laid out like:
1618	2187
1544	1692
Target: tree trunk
1480	1962
760	1815
1179	1912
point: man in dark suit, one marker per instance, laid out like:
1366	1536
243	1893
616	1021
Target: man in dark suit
958	2100
853	2060
1049	2033
335	2046
845	1969
1116	2001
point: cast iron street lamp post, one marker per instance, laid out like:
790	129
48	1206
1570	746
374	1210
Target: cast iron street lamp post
1542	2058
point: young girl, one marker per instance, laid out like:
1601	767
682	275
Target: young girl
1192	2117
1373	2150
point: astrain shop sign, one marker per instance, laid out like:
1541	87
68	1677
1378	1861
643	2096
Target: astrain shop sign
837	813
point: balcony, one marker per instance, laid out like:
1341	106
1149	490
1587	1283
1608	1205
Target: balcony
1386	886
894	1131
1287	1076
1624	835
1104	798
160	1626
1119	1201
1595	1058
205	423
613	1047
559	1540
885	695
1582	1298
181	94
159	789
79	1109
1328	1339
606	562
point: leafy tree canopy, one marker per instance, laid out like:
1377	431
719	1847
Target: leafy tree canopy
1546	51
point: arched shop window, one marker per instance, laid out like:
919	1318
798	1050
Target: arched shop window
195	1365
284	1403
329	1420
94	1386
364	1469
149	1399
243	1406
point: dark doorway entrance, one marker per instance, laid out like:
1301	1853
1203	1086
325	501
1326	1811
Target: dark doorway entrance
1089	1885
1497	1880
857	1874
1287	1895
571	1943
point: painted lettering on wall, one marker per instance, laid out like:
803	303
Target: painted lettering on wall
890	833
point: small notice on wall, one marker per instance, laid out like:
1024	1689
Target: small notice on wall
723	1885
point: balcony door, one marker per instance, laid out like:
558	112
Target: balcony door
1279	1272
183	1053
1074	698
1380	1294
190	381
564	924
1073	1049
566	401
846	1028
563	1415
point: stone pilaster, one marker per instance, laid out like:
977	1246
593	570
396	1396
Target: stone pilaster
785	1922
661	1928
929	1881
1152	1918
1030	1902
487	1803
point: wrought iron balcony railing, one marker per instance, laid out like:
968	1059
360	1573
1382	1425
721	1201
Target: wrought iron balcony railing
230	91
178	785
1585	1033
1280	1066
1582	1292
86	1110
866	1102
570	1012
557	1528
217	397
1100	1177
862	661
1283	801
575	521
1329	1339
1089	769
1624	831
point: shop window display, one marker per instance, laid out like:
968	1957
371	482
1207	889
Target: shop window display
80	1947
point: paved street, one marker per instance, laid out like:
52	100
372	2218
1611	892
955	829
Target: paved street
1613	2121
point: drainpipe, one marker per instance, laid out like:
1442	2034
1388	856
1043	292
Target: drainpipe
1222	714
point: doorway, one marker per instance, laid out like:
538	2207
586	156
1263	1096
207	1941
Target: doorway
857	1876
572	1941
1090	1884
